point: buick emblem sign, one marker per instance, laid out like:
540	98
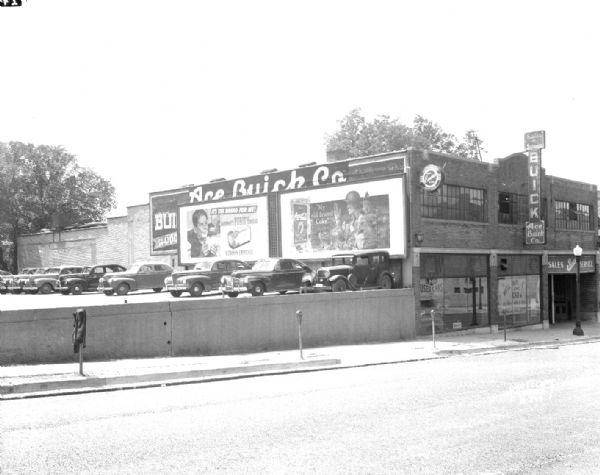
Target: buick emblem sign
431	177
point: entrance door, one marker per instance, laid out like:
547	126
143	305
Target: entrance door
564	296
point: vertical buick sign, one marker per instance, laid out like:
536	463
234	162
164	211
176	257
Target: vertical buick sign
535	227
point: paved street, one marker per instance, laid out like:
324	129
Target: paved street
534	411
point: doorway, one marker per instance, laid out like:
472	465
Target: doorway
562	295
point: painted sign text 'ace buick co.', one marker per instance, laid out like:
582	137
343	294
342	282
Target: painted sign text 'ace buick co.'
164	205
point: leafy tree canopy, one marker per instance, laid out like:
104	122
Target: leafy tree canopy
357	137
44	187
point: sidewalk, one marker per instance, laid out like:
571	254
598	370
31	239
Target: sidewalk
54	379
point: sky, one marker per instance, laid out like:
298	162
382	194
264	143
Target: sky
155	95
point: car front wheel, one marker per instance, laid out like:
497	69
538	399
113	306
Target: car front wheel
386	282
339	286
122	289
109	292
258	289
77	289
176	293
196	289
157	289
232	294
46	289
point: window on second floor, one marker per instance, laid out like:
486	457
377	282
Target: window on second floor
455	203
513	208
569	215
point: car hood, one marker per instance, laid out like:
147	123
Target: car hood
44	276
189	273
343	268
249	272
71	276
109	275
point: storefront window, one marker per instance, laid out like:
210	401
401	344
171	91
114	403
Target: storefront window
456	288
519	300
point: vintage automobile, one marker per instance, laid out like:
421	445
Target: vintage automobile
205	277
140	275
15	283
4	277
356	270
268	275
86	280
45	283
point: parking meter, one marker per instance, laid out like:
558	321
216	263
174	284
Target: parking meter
299	320
79	324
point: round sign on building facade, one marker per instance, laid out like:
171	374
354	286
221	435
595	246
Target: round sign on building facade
431	177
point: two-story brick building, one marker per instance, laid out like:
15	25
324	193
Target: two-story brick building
454	228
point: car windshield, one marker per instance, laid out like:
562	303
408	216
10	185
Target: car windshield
264	264
86	270
52	270
207	265
134	268
341	260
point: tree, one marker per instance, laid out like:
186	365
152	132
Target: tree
44	187
357	137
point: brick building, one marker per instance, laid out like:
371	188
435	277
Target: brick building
455	230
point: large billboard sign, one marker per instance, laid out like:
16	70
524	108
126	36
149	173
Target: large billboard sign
164	204
359	216
236	229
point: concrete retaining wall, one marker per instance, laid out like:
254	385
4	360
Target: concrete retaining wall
208	326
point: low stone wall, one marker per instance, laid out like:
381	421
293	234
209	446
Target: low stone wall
209	326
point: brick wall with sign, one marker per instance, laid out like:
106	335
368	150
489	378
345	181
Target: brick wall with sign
507	175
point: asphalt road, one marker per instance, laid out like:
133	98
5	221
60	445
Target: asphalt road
535	411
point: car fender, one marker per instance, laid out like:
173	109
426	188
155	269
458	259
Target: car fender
335	278
41	281
204	280
264	281
114	282
75	280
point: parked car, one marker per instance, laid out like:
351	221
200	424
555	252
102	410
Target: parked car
17	282
141	275
205	277
86	280
356	270
45	282
4	277
268	275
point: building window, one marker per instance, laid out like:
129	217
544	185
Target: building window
455	203
513	208
572	215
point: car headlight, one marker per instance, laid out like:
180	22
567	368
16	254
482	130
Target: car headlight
326	274
168	280
245	279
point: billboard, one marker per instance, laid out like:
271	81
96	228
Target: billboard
164	204
359	216
163	221
236	229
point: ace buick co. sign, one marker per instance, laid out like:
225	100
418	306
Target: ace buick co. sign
164	205
535	227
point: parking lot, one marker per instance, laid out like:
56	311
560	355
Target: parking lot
27	301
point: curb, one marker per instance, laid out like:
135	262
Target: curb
83	384
518	346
